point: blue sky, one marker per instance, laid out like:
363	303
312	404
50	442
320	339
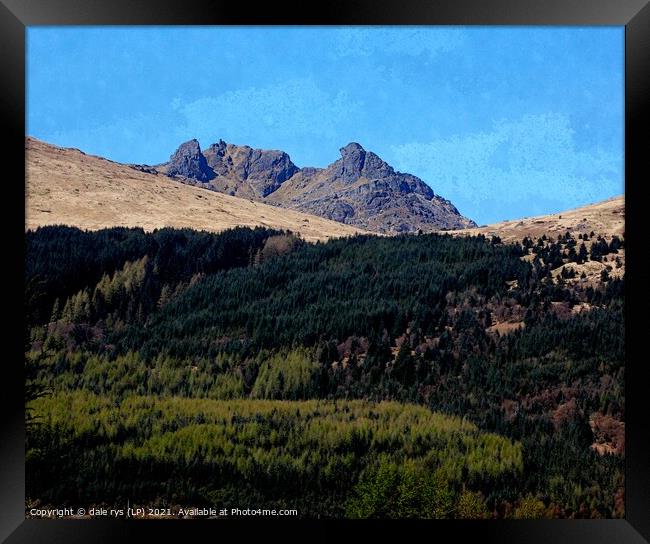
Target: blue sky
506	122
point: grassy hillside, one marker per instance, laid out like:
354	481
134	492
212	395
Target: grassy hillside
606	218
66	186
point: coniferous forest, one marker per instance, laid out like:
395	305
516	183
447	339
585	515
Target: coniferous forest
426	376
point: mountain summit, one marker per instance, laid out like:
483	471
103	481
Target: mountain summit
188	161
358	189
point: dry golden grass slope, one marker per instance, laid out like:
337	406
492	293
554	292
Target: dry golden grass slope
66	186
606	218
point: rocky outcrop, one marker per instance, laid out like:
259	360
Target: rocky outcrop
188	161
355	162
363	190
263	171
144	168
358	189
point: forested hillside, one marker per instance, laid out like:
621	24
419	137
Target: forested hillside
275	453
444	376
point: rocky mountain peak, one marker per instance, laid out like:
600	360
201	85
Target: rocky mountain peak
215	155
219	147
359	188
351	149
232	169
353	158
356	162
189	162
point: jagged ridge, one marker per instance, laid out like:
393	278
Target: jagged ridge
358	189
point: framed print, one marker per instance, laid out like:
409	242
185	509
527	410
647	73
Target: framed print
370	267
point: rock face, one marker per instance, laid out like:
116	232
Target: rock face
355	162
144	168
256	173
358	189
363	190
189	162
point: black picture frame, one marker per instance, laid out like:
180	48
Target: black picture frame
16	15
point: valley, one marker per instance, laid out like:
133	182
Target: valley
231	351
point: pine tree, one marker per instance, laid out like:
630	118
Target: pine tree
56	311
